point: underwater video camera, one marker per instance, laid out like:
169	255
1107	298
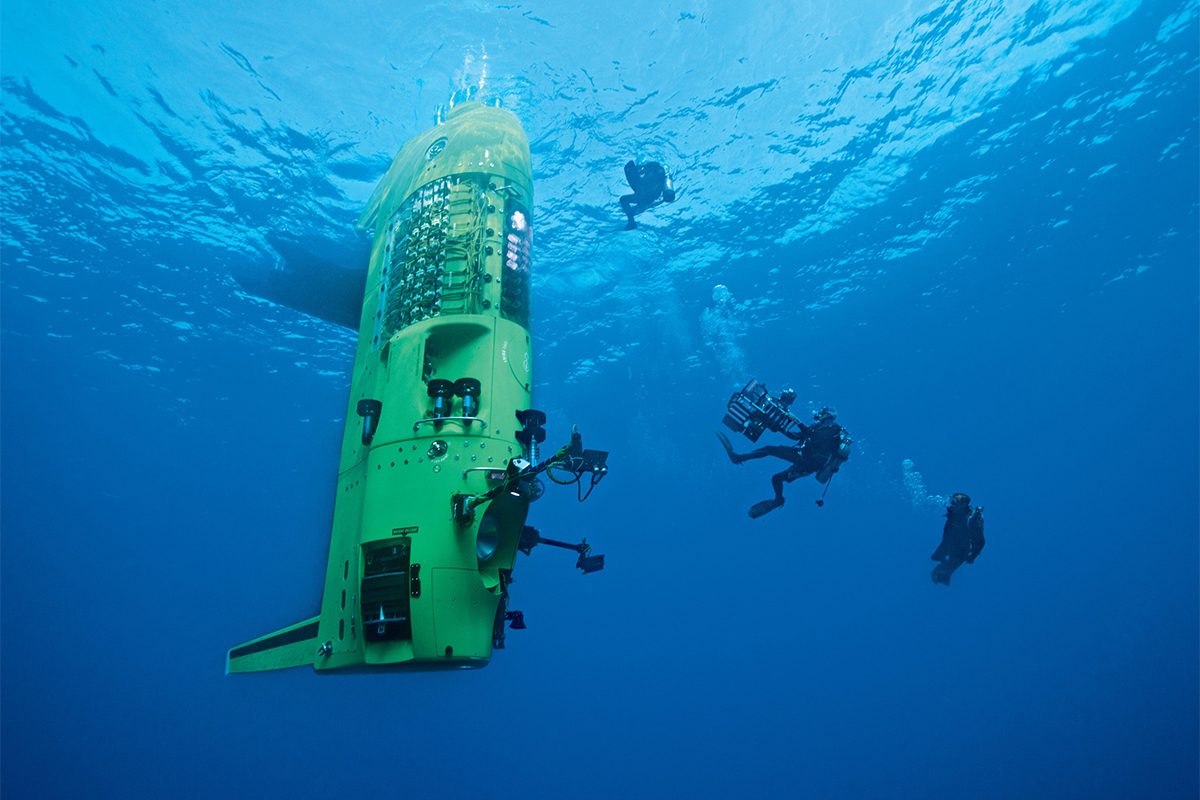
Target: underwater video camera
752	411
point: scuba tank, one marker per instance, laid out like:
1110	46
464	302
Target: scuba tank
836	459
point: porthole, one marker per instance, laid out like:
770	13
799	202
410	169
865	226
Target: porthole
435	149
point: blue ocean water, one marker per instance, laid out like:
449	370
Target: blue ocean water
971	226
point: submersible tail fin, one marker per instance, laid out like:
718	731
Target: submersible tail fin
293	646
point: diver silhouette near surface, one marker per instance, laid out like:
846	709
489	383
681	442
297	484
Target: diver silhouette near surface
651	186
820	450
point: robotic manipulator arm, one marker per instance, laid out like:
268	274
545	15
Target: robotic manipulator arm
567	467
752	410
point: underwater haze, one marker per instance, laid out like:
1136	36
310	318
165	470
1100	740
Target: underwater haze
970	226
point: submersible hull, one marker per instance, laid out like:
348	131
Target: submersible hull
441	369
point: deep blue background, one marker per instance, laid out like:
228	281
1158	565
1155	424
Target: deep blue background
169	447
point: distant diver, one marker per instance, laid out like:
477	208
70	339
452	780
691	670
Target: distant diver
649	182
962	538
820	450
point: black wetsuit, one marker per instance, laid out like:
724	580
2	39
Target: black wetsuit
817	452
649	183
962	541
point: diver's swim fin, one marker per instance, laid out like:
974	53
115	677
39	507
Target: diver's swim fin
734	457
758	509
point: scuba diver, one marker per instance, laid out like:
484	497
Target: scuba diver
649	182
962	538
820	450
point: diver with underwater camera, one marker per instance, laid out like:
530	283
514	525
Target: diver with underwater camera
820	448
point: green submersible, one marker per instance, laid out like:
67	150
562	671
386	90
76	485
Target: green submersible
439	458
